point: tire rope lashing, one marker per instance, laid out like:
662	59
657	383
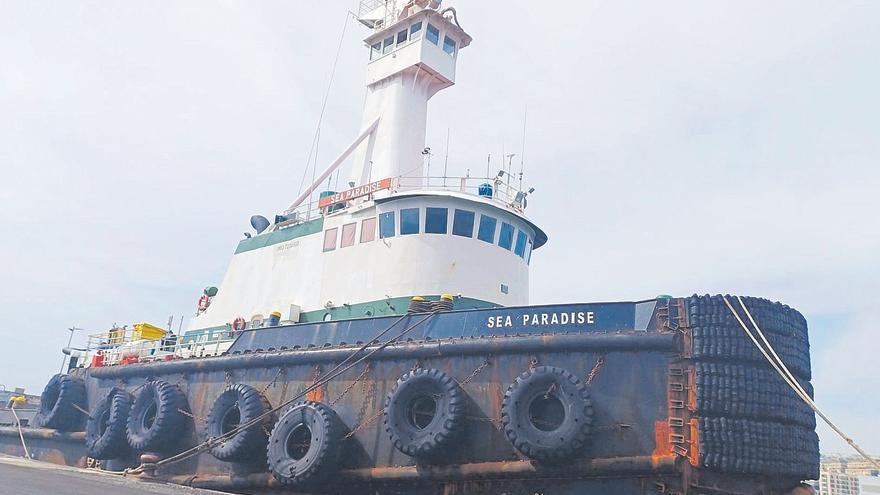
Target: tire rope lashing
787	376
347	364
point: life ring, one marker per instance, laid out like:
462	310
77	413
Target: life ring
239	404
59	402
239	324
204	302
156	422
305	445
546	414
424	413
105	430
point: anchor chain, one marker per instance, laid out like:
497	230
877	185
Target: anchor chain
348	389
596	368
479	369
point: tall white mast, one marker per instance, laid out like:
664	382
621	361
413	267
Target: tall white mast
413	51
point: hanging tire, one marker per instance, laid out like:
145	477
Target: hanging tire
239	404
305	445
546	414
155	422
424	413
59	402
105	430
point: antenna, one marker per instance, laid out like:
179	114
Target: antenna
522	153
446	161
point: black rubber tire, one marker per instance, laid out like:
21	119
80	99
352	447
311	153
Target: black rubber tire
445	423
320	460
155	423
106	427
59	402
566	402
238	404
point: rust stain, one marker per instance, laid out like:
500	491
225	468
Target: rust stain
663	448
316	395
694	456
691	389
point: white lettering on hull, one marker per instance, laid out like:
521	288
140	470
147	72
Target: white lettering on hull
544	319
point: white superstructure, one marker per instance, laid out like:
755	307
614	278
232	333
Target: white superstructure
394	235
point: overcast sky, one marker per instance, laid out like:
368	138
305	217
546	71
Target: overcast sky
675	147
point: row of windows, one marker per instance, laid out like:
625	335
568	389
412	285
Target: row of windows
436	222
463	223
412	33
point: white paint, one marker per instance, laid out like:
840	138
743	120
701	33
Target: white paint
399	85
300	272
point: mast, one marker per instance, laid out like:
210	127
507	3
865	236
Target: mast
413	51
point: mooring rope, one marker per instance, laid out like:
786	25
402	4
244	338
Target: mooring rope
335	372
788	377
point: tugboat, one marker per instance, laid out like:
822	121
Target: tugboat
381	340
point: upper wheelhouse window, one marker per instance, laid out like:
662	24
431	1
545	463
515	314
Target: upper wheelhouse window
436	219
521	244
388	44
506	238
348	232
375	51
330	239
528	257
487	229
463	223
409	221
415	31
386	225
402	37
433	34
449	45
368	229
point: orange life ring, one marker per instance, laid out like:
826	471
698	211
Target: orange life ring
204	302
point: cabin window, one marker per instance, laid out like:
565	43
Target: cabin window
368	229
415	31
375	51
388	44
521	244
348	231
487	229
330	239
402	36
529	252
386	225
433	34
505	240
463	223
409	221
449	45
436	220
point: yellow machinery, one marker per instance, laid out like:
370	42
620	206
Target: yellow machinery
145	331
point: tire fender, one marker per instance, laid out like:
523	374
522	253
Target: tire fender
239	403
155	422
547	414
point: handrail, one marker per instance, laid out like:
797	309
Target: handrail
121	345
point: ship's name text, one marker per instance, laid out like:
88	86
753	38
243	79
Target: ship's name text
542	319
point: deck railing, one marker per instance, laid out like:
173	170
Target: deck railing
125	346
495	189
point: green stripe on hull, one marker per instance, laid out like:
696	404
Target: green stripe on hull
384	307
283	235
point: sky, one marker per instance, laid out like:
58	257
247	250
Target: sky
675	148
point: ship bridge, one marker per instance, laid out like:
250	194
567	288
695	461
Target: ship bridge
395	233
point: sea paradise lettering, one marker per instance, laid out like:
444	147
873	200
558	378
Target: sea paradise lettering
543	319
357	192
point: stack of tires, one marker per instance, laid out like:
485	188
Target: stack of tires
750	420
